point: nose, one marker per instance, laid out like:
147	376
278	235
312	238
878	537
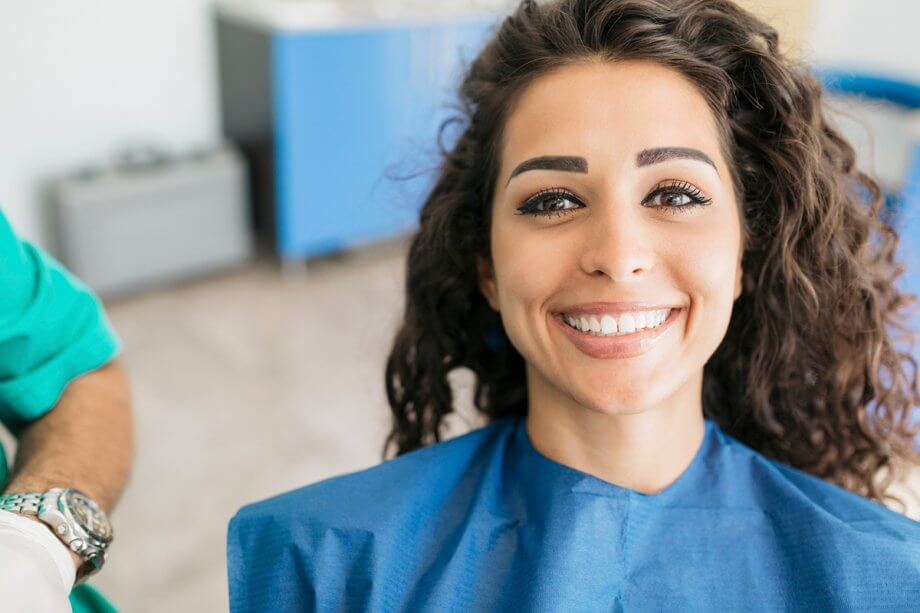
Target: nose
618	245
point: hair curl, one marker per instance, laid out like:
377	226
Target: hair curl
809	372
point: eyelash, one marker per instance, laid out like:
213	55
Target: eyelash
679	187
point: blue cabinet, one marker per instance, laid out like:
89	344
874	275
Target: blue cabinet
345	137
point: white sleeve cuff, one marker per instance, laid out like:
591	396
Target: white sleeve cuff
12	524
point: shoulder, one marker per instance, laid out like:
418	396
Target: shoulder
799	500
362	498
327	537
53	328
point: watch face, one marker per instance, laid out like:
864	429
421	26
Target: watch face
88	514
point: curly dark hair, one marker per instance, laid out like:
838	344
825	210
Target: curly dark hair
827	391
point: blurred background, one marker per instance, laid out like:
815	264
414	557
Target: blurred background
238	181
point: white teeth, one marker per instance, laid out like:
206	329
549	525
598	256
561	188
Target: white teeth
625	323
608	324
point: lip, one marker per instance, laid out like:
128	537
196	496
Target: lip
617	347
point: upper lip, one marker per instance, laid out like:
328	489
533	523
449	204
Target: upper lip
596	308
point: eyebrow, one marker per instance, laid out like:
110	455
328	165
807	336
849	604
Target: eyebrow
660	154
646	157
566	163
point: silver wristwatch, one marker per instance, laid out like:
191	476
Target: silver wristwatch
74	517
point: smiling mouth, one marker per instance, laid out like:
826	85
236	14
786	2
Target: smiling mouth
629	342
618	324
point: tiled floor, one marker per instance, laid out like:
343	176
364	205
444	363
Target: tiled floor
246	385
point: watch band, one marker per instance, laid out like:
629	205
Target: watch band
28	503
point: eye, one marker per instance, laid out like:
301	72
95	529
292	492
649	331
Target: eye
675	196
670	196
550	202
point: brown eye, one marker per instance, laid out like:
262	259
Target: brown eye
550	202
672	199
675	196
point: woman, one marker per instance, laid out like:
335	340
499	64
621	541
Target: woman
676	293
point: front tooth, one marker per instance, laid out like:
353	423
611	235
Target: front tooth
608	324
628	322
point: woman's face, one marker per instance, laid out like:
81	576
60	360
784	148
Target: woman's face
642	223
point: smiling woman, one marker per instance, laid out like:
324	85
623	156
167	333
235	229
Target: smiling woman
677	296
652	225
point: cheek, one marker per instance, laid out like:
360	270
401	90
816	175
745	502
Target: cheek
528	268
706	264
708	272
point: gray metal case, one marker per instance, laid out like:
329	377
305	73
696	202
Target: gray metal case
131	228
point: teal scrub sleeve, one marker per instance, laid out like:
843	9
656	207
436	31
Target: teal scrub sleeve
52	330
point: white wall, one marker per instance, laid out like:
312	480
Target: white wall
79	78
871	34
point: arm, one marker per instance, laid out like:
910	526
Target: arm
86	441
66	401
61	393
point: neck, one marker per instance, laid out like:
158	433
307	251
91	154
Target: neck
643	450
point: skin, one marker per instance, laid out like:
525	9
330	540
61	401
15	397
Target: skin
636	422
86	441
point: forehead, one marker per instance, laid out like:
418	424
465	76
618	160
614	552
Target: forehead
607	112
